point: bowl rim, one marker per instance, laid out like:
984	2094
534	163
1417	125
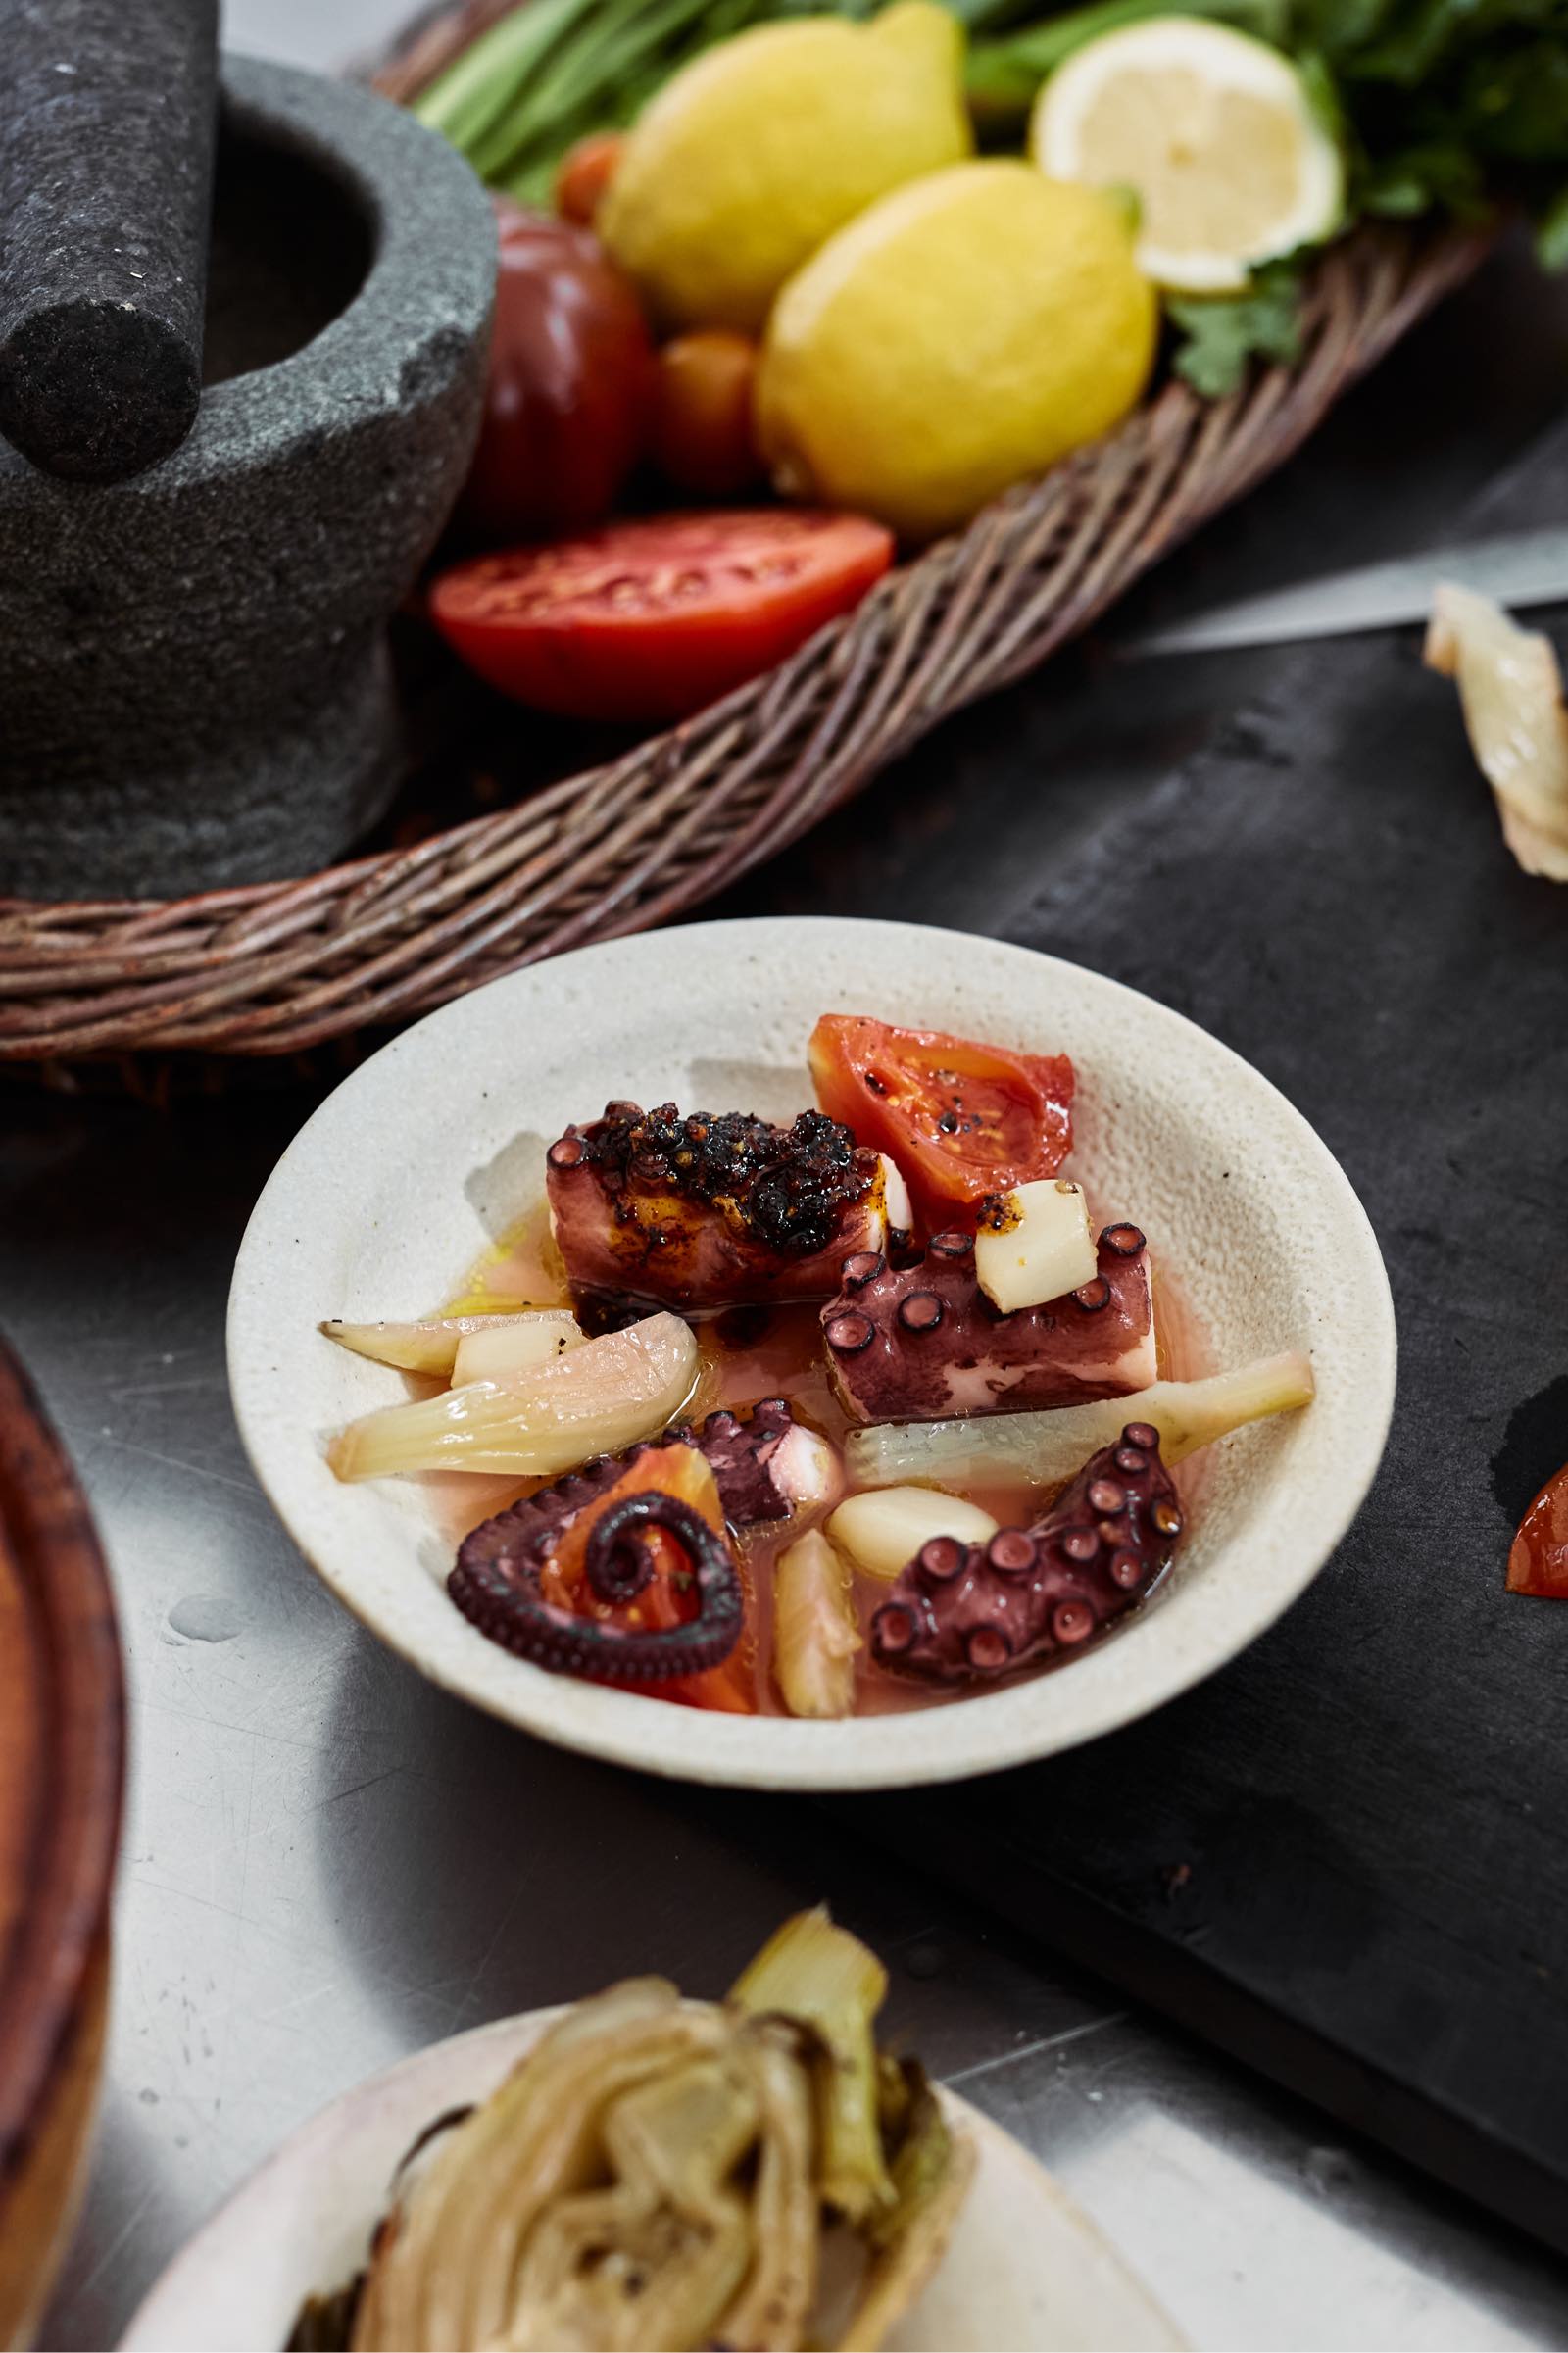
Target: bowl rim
985	1733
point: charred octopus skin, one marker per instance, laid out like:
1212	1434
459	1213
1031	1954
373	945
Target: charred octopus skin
922	1342
712	1210
764	1467
496	1583
967	1613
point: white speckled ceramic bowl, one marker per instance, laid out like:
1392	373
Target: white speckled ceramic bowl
431	1148
1025	2268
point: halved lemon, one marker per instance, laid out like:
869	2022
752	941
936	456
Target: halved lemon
1215	135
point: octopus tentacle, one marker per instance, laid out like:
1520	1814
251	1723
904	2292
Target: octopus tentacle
964	1612
496	1584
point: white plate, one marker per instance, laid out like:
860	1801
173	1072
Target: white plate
428	1150
1024	2269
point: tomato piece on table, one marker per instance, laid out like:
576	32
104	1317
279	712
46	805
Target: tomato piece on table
1538	1560
960	1119
651	620
673	1470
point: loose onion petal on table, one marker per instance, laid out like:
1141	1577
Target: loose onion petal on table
1047	1448
887	1527
594	1399
1510	688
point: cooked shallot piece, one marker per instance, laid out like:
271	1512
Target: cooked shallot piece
1510	688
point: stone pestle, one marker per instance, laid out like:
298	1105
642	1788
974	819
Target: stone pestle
108	114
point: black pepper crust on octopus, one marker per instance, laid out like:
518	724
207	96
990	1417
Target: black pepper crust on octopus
710	1210
495	1581
966	1613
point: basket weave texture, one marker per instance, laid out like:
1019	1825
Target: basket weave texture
275	969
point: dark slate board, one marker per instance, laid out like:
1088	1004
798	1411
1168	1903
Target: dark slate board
1345	1857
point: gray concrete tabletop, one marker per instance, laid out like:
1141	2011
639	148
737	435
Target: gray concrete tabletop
327	1863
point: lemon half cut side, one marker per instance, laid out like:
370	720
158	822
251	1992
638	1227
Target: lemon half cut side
1214	132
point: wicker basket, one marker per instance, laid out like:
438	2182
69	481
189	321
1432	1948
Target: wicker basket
275	969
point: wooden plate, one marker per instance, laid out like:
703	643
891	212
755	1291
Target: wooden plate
62	1758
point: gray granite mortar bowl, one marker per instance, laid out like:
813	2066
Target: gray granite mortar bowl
195	688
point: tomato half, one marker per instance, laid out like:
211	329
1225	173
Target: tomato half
960	1119
651	619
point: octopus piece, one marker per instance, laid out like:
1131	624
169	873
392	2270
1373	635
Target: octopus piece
767	1465
497	1582
966	1613
923	1343
714	1210
764	1467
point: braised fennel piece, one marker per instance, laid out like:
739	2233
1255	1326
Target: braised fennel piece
658	2173
546	1417
1047	1450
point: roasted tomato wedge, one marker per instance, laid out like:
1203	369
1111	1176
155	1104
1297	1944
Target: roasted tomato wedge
651	620
672	1470
960	1118
1538	1562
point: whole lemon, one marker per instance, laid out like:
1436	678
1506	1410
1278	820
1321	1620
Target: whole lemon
962	335
767	143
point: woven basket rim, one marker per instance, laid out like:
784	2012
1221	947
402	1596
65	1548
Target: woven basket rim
278	968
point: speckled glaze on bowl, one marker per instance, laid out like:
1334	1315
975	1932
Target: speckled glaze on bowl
437	1145
1025	2268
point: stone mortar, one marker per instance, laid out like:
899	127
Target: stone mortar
195	688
